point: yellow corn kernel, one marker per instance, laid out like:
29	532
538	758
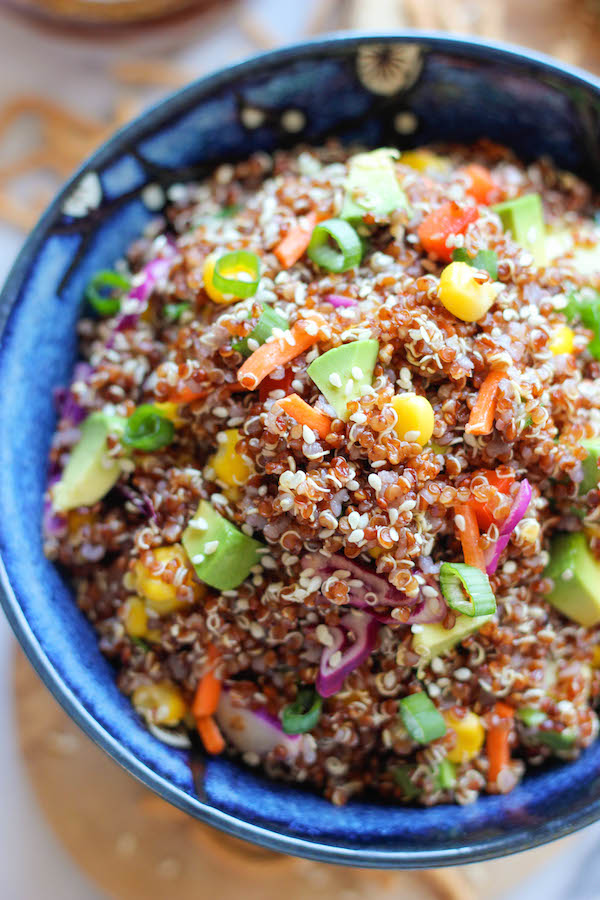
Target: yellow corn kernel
228	465
77	520
463	295
562	340
160	704
470	735
423	160
135	617
415	418
159	595
170	411
147	315
596	657
154	635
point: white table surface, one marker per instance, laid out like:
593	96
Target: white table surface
32	864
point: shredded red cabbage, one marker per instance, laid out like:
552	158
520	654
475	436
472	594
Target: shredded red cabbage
364	628
136	301
254	731
376	591
338	300
517	511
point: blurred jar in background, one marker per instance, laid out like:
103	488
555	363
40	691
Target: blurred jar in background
104	12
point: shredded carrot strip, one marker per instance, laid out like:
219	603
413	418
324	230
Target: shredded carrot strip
208	691
290	248
481	420
481	184
295	407
210	735
187	395
469	536
276	353
497	741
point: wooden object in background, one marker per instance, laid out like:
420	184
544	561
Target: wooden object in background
132	844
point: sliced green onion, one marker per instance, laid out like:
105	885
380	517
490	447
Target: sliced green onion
484	259
530	717
585	306
174	311
303	714
467	589
446	775
268	320
104	292
349	248
146	429
423	721
237	273
226	212
556	740
403	778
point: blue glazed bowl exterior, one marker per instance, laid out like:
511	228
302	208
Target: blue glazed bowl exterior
400	90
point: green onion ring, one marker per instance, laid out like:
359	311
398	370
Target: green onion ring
101	289
173	311
267	321
146	429
422	719
467	589
237	273
322	254
303	714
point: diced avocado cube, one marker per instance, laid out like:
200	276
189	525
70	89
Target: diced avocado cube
90	473
524	218
351	366
221	554
372	186
591	474
433	640
575	572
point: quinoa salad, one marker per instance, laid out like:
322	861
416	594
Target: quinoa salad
325	481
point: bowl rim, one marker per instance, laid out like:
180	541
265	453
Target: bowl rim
145	124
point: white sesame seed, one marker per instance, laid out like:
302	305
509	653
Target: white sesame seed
335	659
308	434
433	690
354	519
220	412
349	387
199	524
198	559
463	674
311	328
357	373
411	436
210	547
289	338
359	418
460	522
324	635
375	481
335	380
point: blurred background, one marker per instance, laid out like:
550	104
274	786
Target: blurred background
72	826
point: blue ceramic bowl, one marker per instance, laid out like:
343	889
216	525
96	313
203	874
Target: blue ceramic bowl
392	90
